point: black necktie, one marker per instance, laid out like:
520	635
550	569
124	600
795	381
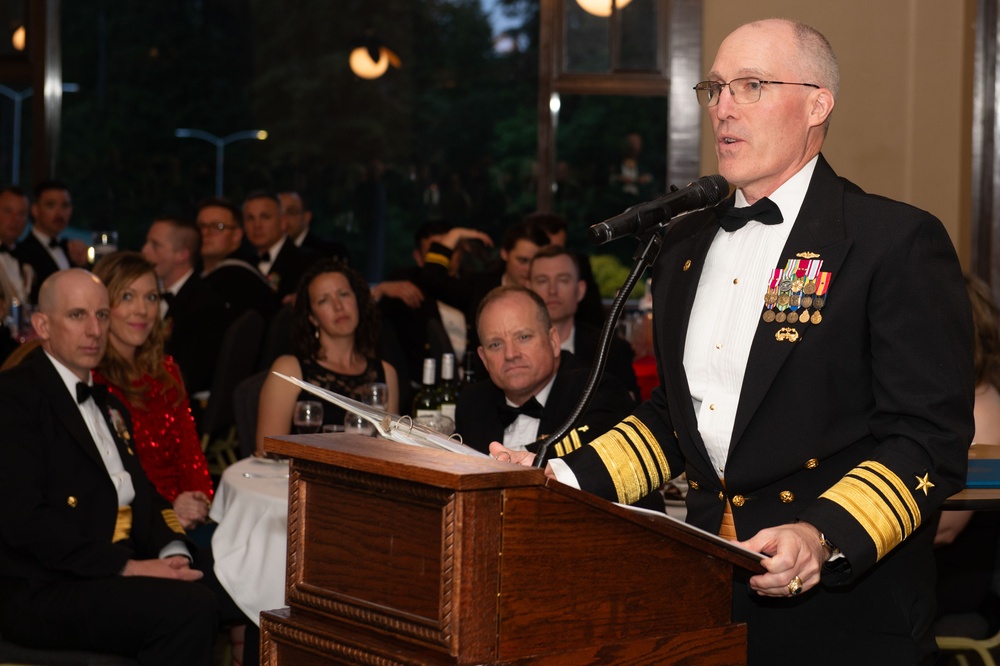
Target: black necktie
764	211
509	414
168	297
99	392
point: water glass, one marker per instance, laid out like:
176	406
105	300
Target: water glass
375	394
356	424
308	416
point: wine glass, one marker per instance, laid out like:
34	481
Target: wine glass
375	394
356	424
308	416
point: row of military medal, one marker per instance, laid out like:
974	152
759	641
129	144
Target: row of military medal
800	285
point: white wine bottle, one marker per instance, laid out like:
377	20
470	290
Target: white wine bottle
448	390
425	402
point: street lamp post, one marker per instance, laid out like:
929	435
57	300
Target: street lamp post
18	98
220	144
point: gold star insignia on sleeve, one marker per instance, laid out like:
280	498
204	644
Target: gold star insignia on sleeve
924	484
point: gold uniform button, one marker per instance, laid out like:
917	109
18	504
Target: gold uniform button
738	500
812	463
736	280
722	498
712	407
786	496
71	501
693	485
687	265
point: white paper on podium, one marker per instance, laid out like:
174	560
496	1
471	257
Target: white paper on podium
691	529
397	428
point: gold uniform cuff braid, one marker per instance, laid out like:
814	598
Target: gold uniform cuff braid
880	502
632	458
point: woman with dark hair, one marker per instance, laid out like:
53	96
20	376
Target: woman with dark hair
334	335
136	371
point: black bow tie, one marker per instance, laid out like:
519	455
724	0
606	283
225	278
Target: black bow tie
264	257
54	243
509	414
168	297
764	211
5	250
99	392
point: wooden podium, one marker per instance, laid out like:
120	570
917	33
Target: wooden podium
405	555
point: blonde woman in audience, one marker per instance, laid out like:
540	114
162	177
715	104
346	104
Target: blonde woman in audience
334	337
149	382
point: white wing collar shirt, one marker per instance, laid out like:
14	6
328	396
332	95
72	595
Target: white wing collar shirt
726	311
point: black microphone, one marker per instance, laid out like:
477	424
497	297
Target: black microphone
636	220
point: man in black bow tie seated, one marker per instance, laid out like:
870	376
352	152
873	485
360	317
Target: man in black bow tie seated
531	390
91	558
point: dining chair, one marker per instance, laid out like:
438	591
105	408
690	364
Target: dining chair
236	361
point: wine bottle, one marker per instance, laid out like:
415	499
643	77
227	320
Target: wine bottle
425	402
448	390
469	368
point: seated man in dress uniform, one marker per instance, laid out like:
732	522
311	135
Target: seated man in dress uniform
90	556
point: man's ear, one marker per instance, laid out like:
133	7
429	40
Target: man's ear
40	322
581	290
822	106
482	355
555	341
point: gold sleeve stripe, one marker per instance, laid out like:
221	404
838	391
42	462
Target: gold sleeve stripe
570	442
880	502
904	513
439	259
639	456
617	456
170	518
649	444
123	524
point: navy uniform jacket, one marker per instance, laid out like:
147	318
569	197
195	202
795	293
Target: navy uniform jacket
859	425
60	505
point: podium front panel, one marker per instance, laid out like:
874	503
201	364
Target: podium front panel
386	554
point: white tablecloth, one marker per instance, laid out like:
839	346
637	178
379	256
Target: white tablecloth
250	542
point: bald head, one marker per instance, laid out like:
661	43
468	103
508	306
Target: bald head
72	319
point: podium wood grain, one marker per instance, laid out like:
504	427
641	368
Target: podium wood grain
404	555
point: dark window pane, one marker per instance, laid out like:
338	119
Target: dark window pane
586	39
637	36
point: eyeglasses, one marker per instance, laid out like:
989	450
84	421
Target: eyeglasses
744	91
215	226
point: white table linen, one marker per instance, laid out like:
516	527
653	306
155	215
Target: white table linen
250	542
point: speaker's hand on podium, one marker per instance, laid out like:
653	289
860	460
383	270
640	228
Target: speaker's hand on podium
795	557
526	458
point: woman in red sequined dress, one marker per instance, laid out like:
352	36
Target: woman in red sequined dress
137	371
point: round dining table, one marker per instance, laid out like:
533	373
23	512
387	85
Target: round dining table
250	542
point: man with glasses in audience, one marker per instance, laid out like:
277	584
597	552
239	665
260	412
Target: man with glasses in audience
815	349
226	268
